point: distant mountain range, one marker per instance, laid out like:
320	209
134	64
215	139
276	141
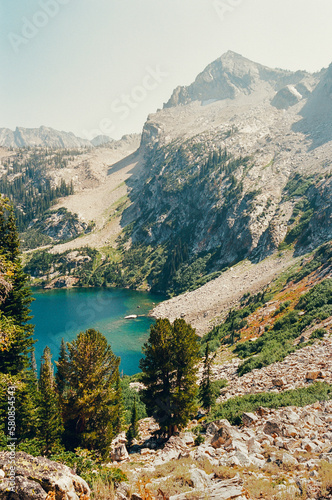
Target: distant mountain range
46	137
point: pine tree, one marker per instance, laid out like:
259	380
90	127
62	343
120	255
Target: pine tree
118	405
157	370
61	375
170	373
49	419
132	432
16	342
15	304
185	360
89	402
207	395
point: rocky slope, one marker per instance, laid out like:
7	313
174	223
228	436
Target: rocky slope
40	182
236	203
272	453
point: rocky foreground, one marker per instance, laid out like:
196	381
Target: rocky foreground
283	453
274	454
38	478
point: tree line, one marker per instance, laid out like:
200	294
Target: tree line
29	189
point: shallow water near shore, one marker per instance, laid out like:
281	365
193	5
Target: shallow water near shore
64	313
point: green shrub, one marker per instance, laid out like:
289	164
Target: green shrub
275	344
199	440
233	408
318	334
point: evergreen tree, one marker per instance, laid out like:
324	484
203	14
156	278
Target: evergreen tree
169	373
49	418
118	405
185	358
33	365
132	432
207	395
157	370
61	376
16	302
16	342
89	407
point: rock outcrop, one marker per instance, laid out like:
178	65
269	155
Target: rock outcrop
37	478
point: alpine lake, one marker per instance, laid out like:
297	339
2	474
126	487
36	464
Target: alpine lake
63	313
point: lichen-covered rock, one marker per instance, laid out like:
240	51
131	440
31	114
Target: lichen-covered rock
37	477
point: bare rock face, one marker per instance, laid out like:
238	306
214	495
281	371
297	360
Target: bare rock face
286	97
37	477
230	76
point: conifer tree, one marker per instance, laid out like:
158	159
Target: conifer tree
15	304
89	407
170	373
132	432
207	395
157	370
61	375
118	405
185	359
16	342
49	419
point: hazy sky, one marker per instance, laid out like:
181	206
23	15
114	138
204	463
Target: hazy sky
101	66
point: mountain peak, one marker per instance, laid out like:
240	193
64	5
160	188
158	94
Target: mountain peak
232	75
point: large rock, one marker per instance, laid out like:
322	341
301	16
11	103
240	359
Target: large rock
219	490
36	477
225	434
272	428
249	418
119	451
314	374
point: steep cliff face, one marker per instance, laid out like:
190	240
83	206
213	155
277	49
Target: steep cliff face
231	169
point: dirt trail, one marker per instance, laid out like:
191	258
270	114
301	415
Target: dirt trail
203	307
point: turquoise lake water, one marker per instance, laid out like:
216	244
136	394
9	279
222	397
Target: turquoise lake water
64	313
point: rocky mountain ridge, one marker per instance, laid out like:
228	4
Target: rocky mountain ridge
233	75
226	172
46	137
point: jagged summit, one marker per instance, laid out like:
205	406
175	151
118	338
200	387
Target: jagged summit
230	76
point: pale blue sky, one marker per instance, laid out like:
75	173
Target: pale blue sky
69	64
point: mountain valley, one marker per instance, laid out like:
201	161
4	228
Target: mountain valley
224	204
